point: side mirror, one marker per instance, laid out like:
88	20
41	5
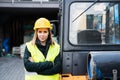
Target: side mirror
54	30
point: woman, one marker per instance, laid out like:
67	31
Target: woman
42	54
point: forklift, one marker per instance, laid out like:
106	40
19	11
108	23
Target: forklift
89	36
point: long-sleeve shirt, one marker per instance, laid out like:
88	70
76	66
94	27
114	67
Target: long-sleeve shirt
44	68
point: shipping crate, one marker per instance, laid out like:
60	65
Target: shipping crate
16	50
22	50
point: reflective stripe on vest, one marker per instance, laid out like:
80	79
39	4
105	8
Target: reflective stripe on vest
38	56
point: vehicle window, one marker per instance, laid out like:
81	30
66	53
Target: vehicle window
98	25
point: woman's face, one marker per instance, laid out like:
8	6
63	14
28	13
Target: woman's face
42	34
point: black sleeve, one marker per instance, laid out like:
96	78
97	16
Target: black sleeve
57	68
33	66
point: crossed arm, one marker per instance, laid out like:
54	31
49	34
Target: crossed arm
44	68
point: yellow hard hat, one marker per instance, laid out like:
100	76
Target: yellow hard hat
42	23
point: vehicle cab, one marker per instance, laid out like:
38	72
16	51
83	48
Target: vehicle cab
89	29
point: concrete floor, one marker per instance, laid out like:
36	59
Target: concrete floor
11	68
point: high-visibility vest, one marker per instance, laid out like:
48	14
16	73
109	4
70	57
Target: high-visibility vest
37	56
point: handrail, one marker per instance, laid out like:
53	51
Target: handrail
27	1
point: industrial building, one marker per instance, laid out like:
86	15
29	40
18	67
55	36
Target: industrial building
17	19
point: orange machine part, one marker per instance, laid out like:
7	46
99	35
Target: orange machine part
70	77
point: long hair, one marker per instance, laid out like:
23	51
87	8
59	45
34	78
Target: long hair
49	37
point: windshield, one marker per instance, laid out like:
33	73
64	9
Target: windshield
98	25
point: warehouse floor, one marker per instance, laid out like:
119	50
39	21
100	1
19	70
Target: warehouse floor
11	68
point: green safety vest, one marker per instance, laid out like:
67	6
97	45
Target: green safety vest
37	56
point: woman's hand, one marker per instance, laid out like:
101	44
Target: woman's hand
30	59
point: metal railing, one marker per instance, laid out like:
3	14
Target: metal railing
29	1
